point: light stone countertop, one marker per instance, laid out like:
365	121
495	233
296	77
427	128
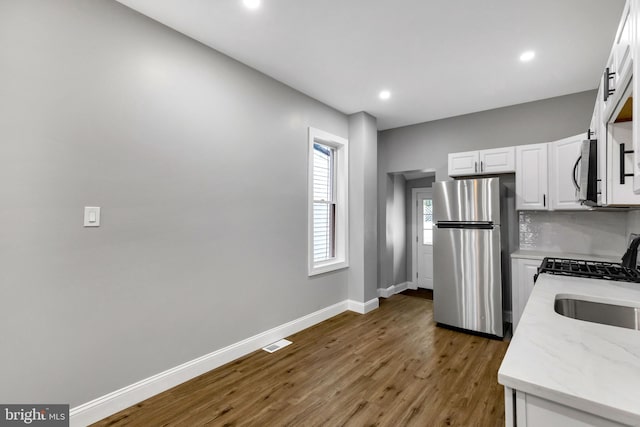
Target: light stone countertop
588	366
540	254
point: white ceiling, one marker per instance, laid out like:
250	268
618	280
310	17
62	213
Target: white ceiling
439	58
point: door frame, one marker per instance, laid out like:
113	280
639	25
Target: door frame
413	283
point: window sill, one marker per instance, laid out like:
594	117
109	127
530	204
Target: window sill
326	267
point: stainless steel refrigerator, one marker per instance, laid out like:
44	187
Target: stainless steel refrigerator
467	270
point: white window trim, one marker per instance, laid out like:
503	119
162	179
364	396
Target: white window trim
341	259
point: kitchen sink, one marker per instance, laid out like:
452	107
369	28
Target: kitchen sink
597	312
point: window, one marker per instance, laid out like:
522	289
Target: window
327	202
324	204
427	222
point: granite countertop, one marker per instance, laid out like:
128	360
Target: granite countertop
540	254
588	366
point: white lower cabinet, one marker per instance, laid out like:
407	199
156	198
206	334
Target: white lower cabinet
527	410
523	271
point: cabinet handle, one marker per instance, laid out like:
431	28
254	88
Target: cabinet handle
622	171
575	178
589	133
481	165
476	166
607	89
544	200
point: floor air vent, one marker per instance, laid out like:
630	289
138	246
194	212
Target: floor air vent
272	348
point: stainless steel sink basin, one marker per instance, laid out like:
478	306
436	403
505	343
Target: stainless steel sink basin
597	312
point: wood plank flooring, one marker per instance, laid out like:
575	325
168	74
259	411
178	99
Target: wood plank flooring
390	367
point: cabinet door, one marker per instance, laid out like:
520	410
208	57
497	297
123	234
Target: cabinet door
533	411
635	54
531	177
620	64
498	160
466	163
619	165
524	270
621	53
598	132
564	171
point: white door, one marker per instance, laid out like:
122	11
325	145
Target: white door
424	238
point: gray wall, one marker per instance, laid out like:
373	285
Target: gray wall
200	166
363	196
425	146
391	225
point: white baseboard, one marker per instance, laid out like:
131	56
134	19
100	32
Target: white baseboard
363	308
394	289
402	287
118	400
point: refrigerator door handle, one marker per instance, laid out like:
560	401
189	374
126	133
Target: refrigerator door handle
467	225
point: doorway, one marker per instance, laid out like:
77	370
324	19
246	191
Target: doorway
422	237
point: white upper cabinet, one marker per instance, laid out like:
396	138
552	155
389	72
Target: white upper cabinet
466	163
482	162
619	71
564	172
532	177
620	165
635	54
498	160
598	131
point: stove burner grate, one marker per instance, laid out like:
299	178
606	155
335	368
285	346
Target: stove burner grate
590	269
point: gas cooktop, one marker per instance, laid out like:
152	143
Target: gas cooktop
590	269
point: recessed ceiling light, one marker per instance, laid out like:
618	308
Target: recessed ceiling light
251	4
385	94
527	56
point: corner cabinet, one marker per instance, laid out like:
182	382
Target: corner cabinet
532	177
482	162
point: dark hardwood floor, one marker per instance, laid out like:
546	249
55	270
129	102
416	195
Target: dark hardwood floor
391	367
420	293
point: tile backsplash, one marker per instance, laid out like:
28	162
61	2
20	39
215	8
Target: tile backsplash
633	222
589	232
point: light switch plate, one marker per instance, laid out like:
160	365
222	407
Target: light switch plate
91	216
